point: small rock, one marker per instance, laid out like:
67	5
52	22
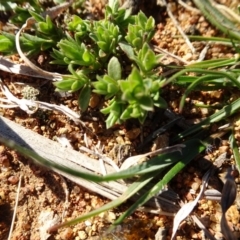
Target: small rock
195	186
189	196
13	179
82	235
223	149
76	190
218	236
67	234
111	216
233	214
133	134
94	100
2	197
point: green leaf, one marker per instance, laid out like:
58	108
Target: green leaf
35	40
75	24
150	25
111	120
127	49
20	16
87	57
114	68
149	61
142	19
103	45
102	54
7	6
127	113
47	27
114	5
77	85
222	114
84	97
71	49
6	44
235	150
146	103
160	102
65	85
36	16
135	76
58	56
137	42
137	112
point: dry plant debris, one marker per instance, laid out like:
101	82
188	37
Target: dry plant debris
45	197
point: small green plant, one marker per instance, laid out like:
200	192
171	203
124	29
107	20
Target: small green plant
111	57
46	37
93	54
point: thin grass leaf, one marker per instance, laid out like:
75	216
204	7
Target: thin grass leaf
192	86
155	164
235	150
193	148
216	117
132	189
226	41
213	63
217	18
227	75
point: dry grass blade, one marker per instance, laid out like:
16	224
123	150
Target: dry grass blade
201	226
11	67
191	47
15	207
30	106
26	105
48	75
187	208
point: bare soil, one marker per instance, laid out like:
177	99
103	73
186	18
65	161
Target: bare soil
45	195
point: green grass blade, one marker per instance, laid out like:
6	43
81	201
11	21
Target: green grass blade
235	150
132	189
192	86
217	18
214	63
227	75
193	148
155	164
226	41
216	117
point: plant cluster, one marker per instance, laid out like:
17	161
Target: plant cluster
98	54
111	57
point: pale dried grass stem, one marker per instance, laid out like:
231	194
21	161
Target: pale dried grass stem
15	208
175	22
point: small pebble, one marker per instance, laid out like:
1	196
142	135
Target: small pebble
76	190
111	216
189	196
13	179
67	234
223	149
195	186
82	235
94	100
133	134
